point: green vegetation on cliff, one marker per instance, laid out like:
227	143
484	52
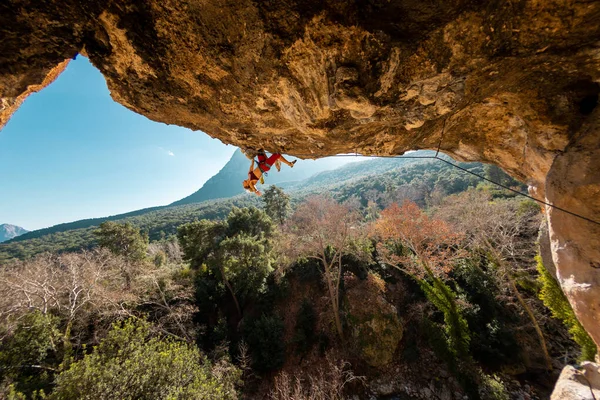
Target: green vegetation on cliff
554	298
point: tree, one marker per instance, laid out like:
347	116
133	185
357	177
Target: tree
326	231
266	339
495	174
426	249
277	204
414	242
131	364
200	241
123	239
237	250
498	229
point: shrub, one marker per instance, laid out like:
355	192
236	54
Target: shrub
130	364
265	338
327	382
28	356
554	298
491	387
160	259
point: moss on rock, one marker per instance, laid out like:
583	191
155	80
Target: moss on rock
374	326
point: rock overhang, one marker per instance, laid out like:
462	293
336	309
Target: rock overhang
511	83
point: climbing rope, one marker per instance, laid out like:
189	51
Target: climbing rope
437	157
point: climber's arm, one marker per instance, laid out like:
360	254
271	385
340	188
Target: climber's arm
254	189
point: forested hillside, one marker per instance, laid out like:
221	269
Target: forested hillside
415	282
226	183
380	180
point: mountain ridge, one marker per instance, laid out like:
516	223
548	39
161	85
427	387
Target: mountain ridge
381	180
8	231
224	184
228	181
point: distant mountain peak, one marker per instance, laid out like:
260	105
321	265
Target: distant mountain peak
8	231
228	181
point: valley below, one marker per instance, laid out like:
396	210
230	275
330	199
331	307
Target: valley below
380	279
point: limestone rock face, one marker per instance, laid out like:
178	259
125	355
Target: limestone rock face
375	328
514	83
573	184
578	384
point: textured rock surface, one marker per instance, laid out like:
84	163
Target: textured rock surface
573	183
545	248
581	384
375	328
509	82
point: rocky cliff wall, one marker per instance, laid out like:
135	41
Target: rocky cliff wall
514	83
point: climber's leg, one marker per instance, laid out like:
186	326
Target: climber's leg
286	162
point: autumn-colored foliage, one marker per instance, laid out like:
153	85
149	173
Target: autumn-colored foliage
416	243
427	249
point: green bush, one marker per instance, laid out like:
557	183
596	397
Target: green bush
307	270
29	355
306	321
131	364
554	298
160	259
267	347
434	333
491	323
491	387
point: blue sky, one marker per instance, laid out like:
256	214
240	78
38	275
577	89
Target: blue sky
70	152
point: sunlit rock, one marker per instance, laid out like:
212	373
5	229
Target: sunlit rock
511	83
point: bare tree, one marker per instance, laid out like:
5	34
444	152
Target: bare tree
73	286
324	230
327	383
171	301
504	230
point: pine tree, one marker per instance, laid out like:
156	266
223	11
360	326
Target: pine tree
277	204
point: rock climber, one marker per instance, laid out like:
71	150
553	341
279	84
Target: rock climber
264	164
